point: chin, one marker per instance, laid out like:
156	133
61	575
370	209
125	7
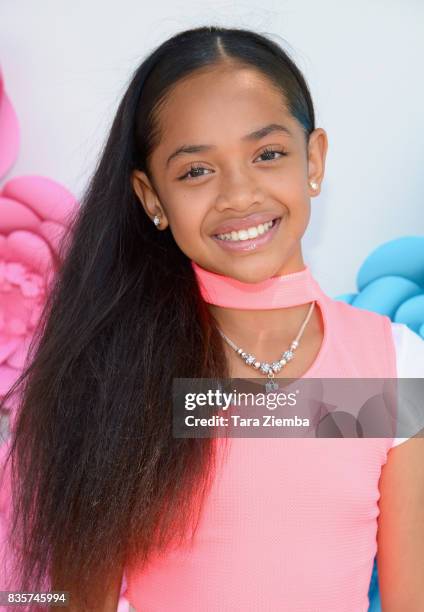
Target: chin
253	273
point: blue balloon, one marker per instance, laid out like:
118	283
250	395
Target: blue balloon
373	591
400	257
411	313
346	297
384	295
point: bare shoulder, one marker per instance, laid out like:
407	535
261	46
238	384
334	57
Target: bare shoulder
400	536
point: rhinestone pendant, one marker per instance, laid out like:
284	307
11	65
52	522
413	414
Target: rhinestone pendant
271	386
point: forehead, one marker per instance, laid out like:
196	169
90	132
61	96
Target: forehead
221	104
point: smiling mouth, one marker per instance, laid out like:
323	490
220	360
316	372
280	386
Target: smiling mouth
249	233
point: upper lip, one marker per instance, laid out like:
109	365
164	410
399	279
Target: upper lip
235	224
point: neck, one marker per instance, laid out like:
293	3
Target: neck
260	315
262	329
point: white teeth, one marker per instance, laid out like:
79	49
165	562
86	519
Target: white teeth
246	234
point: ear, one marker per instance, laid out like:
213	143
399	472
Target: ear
317	151
148	197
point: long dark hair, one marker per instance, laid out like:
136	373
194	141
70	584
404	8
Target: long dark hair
99	481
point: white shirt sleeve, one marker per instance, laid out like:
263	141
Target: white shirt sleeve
409	348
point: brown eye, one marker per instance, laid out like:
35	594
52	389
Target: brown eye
193	169
269	153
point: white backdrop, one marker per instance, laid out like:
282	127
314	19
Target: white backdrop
66	65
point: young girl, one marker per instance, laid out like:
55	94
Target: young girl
187	248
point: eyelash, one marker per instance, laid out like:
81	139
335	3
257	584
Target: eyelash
194	168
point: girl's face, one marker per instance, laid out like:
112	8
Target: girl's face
231	159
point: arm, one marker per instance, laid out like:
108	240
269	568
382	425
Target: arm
400	535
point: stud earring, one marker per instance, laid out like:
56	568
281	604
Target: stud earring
156	220
313	184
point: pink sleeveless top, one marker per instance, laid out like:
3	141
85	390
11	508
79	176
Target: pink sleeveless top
289	524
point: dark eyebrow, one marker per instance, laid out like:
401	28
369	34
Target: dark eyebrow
256	135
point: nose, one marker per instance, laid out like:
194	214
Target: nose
238	191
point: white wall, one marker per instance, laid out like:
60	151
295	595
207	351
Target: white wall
66	65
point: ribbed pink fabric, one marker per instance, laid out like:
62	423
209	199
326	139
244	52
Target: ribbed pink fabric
290	523
275	292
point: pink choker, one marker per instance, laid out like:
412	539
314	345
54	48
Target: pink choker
275	292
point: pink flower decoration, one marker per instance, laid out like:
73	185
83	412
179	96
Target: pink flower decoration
34	215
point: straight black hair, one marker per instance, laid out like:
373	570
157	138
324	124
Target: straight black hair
99	482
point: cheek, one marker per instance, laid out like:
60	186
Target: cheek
293	196
288	184
291	191
296	184
185	220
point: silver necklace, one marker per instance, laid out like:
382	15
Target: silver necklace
266	367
